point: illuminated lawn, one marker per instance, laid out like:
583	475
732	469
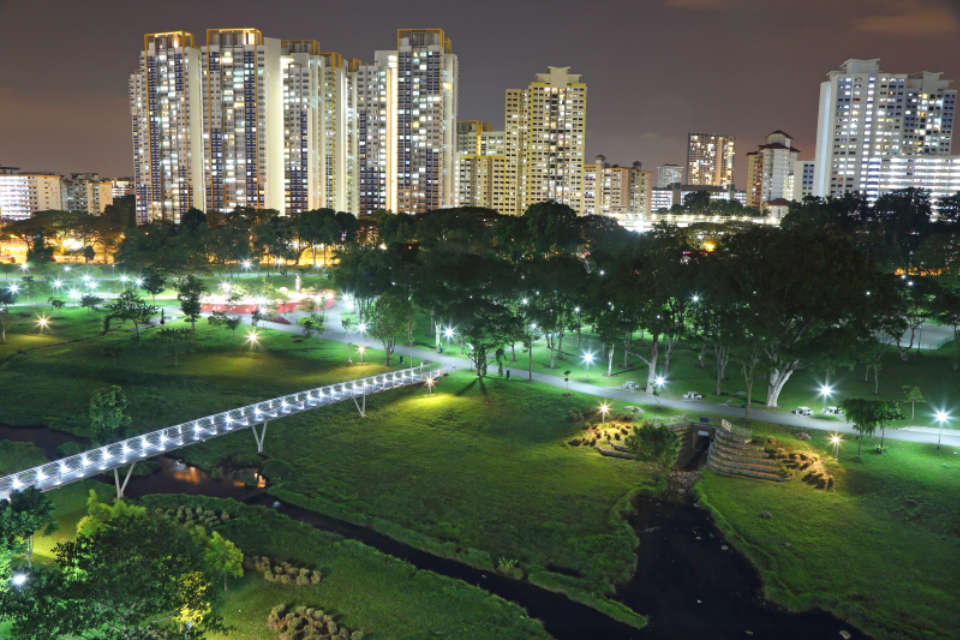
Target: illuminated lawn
880	550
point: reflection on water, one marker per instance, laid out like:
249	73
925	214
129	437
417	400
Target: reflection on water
175	476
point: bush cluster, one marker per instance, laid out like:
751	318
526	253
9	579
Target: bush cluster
282	572
307	623
190	516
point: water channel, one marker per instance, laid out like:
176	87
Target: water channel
689	581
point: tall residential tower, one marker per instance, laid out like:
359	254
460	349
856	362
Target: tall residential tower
710	159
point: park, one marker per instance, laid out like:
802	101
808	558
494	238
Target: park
534	488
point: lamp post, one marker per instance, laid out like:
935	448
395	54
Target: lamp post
42	323
825	392
18	579
604	410
835	440
253	339
941	416
587	358
658	384
429	382
360	350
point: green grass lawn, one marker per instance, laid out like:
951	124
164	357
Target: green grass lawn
880	550
367	590
480	473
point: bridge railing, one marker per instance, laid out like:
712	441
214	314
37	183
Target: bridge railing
92	462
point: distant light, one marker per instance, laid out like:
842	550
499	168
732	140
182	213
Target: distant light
86	278
576	309
57	284
524	301
138	282
66	268
19	579
835	439
246	264
660	381
361	348
695	298
123	278
602	272
448	332
74	293
533	325
14	288
43	322
253	338
24	267
826	390
588	357
362	327
225	286
942	416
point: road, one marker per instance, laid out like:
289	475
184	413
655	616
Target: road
693	408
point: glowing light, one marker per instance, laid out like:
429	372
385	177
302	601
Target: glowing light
448	332
835	439
18	579
524	301
57	284
588	357
67	268
14	288
659	381
942	416
826	390
430	383
604	410
695	298
533	325
362	327
43	322
24	267
225	287
246	264
86	278
74	293
123	278
253	338
138	282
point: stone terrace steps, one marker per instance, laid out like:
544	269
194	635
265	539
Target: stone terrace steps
731	454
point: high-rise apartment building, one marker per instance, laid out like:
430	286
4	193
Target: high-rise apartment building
803	183
545	138
23	194
302	68
710	159
424	109
87	192
376	144
167	125
122	187
668	174
483	179
243	120
867	115
771	171
612	190
938	175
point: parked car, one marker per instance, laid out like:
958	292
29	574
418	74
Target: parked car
803	411
630	385
692	395
833	411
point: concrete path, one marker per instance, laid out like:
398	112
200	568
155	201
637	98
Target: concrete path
693	408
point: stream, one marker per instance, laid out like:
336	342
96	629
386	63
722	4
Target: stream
686	582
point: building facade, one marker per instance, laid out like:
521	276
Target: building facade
866	115
939	176
771	171
167	127
803	172
668	174
23	194
545	138
710	160
616	191
87	192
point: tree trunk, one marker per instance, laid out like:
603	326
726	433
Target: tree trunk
748	371
702	356
436	333
610	361
513	351
560	342
652	362
722	355
778	378
530	359
876	379
552	345
626	351
671	340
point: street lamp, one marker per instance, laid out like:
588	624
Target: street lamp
362	327
429	382
695	298
604	410
245	265
138	282
360	350
825	392
24	267
14	288
18	579
835	441
57	283
448	333
941	416
588	357
253	339
43	322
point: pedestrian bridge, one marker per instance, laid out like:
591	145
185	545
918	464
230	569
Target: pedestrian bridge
93	462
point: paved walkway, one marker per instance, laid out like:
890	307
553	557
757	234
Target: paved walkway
693	408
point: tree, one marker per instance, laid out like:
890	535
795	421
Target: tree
154	280
90	301
129	306
189	290
389	319
551	228
223	558
109	420
654	443
7	298
22	515
176	341
867	415
913	396
131	578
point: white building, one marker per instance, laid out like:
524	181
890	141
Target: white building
938	175
165	109
87	192
23	194
803	185
668	174
770	171
867	114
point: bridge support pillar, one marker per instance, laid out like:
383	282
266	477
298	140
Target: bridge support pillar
362	406
122	486
260	437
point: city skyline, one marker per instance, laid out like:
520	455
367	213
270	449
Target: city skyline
627	121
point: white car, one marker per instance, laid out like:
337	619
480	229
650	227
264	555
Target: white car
833	411
692	395
803	411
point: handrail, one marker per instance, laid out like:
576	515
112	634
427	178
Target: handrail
92	462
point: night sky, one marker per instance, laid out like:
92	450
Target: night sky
655	69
